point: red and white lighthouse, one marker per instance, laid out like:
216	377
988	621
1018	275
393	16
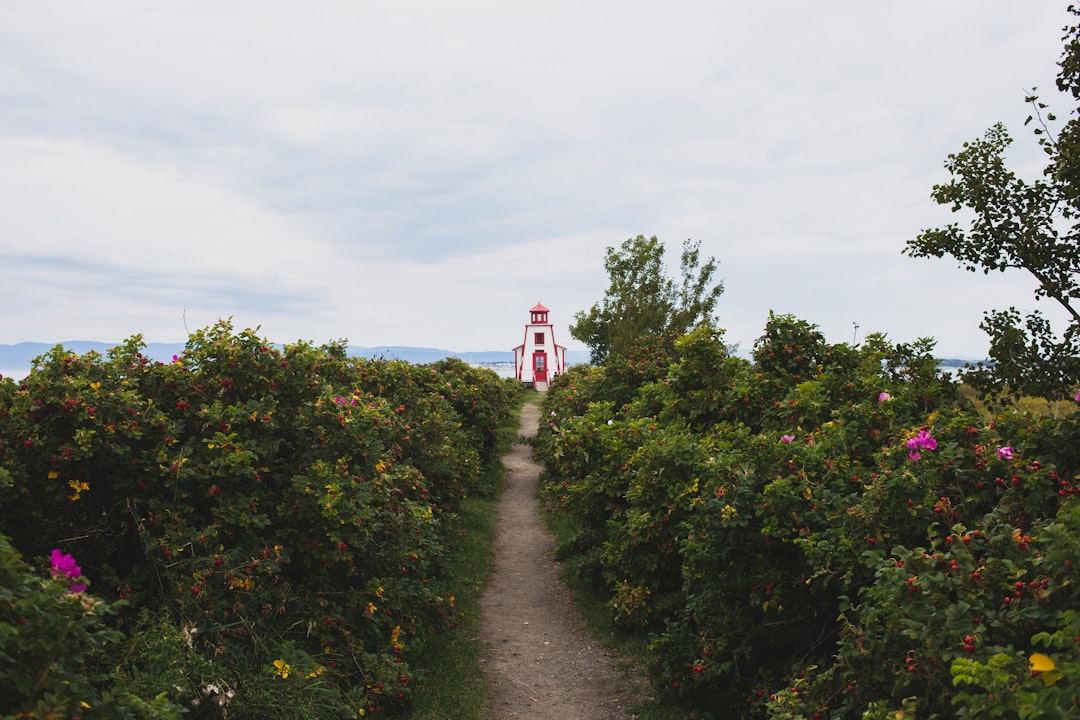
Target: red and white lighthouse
539	358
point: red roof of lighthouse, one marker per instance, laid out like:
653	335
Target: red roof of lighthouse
539	308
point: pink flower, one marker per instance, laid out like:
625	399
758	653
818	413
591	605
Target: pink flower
787	438
1077	398
1005	453
922	441
64	564
884	396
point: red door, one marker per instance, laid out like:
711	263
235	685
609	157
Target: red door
539	367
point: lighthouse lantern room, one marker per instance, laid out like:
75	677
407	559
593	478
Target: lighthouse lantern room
539	358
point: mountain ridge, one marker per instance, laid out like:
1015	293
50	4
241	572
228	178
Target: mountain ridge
22	354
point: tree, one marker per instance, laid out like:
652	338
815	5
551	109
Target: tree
643	300
1032	226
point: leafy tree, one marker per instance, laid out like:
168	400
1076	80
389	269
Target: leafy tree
642	300
1027	225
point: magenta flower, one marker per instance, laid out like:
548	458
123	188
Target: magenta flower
884	396
1077	398
787	438
64	564
1005	453
922	441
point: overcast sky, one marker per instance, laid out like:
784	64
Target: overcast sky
422	173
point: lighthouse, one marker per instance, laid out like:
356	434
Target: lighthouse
539	358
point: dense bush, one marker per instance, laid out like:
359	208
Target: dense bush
54	642
826	531
273	518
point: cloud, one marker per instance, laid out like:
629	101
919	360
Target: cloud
423	173
82	223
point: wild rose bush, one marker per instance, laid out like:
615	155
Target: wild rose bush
826	531
54	643
274	518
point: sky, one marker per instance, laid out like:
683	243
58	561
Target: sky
422	173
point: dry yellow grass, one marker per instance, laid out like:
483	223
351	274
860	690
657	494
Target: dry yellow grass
1036	407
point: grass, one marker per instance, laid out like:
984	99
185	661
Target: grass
454	686
1033	406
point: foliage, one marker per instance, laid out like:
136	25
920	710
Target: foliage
642	300
54	641
1027	225
276	518
827	532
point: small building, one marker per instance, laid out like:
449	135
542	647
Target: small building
539	358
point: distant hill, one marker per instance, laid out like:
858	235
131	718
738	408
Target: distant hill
17	357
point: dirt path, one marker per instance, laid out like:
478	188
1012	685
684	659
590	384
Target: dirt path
540	661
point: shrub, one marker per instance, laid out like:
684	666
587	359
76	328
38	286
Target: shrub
274	516
828	532
54	648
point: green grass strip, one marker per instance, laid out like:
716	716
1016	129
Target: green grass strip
454	685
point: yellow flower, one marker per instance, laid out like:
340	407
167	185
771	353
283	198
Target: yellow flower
1041	663
95	385
283	668
53	475
1045	667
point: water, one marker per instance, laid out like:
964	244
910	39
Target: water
502	369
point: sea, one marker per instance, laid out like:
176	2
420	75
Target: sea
502	369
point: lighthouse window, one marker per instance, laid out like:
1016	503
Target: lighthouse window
538	338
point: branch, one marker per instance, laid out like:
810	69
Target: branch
1047	138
